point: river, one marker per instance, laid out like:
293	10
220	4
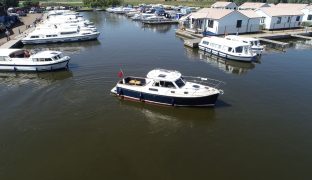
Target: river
66	125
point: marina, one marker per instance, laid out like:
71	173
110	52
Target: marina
66	124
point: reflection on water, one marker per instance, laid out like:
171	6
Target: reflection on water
66	48
300	43
168	120
15	79
229	66
164	28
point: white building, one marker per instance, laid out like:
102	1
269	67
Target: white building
291	6
280	18
223	21
307	14
252	5
224	5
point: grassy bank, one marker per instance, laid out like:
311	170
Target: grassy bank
61	3
204	3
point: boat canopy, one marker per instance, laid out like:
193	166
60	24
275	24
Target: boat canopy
164	75
8	52
223	41
46	54
234	37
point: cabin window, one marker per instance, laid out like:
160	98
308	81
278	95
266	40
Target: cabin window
210	23
34	36
309	17
48	59
298	18
289	18
51	35
64	33
2	58
279	20
206	42
180	83
230	49
238	23
239	49
165	84
246	50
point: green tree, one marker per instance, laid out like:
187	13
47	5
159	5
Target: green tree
29	3
97	3
9	3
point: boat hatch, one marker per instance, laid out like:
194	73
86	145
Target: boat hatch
162	75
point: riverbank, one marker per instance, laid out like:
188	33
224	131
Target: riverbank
18	32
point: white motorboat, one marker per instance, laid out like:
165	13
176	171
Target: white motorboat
229	49
167	87
57	35
158	20
256	47
141	16
23	60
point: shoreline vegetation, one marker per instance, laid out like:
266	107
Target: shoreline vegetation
106	3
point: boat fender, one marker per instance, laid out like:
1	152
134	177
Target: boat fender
172	102
119	91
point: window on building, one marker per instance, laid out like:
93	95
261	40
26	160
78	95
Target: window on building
239	23
298	18
289	19
309	17
210	23
262	20
279	20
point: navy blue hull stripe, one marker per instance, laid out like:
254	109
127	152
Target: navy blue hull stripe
34	65
167	100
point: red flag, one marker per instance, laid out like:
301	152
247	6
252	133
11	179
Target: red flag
120	74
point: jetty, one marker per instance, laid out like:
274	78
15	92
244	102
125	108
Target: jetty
192	38
20	32
193	43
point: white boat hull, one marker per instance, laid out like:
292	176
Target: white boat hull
61	40
43	67
226	55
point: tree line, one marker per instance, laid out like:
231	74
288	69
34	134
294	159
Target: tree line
101	3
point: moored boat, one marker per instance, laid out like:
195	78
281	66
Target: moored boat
23	60
168	87
56	35
256	47
228	49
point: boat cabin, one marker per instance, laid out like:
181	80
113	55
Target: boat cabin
226	45
251	41
47	56
166	78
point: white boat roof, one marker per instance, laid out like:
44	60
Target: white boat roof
164	75
46	54
241	38
223	41
43	31
7	52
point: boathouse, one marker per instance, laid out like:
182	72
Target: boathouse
280	18
252	5
210	21
224	5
